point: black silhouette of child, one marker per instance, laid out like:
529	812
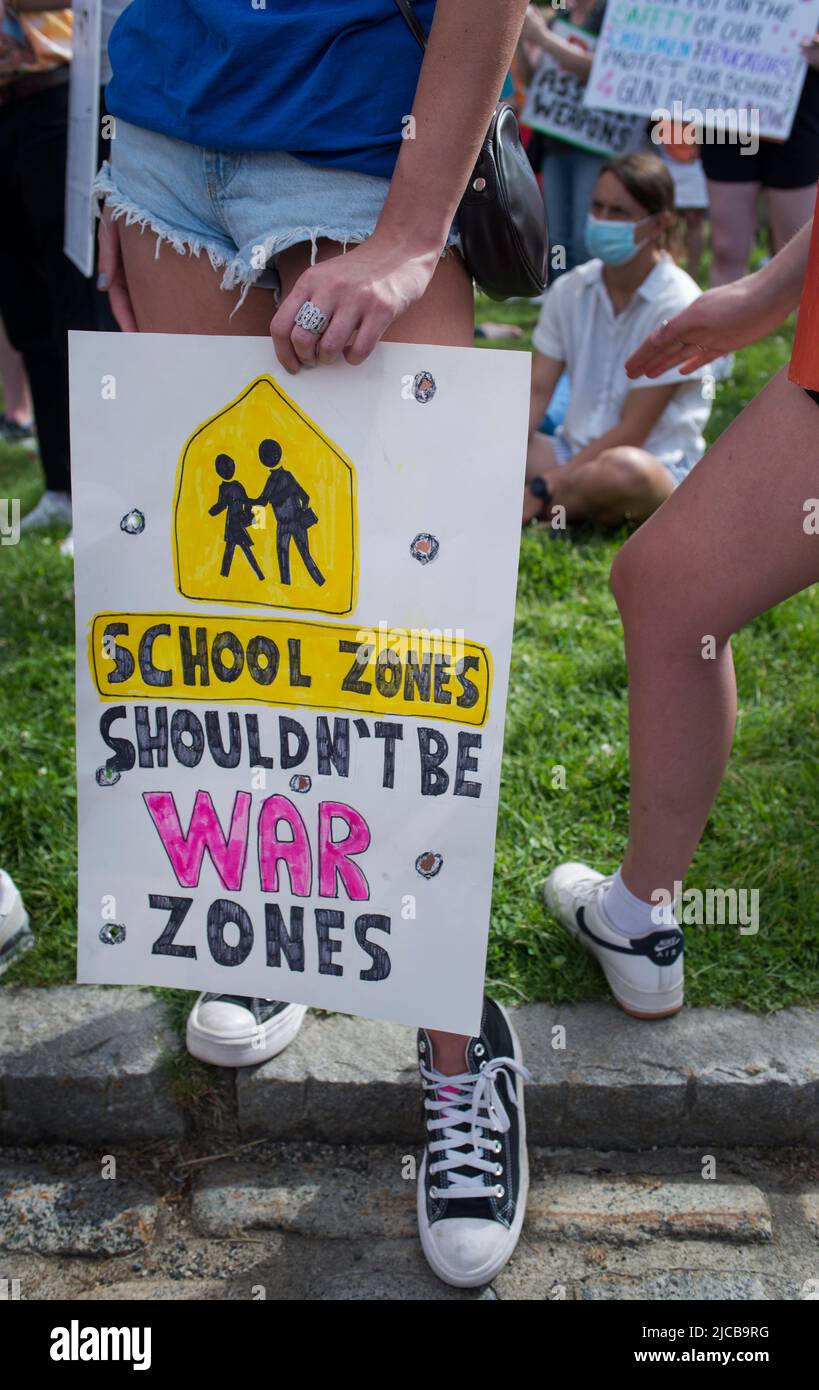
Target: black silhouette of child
234	501
290	507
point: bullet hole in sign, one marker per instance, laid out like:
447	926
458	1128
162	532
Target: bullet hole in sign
424	547
112	934
423	387
429	864
133	522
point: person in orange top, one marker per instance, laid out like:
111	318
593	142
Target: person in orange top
739	535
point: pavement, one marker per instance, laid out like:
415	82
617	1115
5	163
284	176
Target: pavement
172	1220
674	1160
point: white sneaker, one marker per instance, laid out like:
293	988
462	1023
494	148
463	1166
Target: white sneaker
52	509
645	972
231	1030
15	935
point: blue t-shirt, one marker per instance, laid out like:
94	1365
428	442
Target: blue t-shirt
326	80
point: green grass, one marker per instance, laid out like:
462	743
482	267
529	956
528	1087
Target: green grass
567	707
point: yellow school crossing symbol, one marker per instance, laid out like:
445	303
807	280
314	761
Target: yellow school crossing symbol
265	508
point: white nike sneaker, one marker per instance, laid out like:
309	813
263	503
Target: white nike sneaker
645	972
15	935
230	1030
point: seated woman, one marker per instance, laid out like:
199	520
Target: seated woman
621	449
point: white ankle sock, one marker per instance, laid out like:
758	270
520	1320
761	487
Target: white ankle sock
630	915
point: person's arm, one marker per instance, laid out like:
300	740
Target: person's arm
469	51
546	372
218	506
642	409
574	59
729	317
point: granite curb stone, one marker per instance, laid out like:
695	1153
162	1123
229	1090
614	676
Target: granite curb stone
86	1062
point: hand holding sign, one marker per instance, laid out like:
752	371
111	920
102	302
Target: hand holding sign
361	293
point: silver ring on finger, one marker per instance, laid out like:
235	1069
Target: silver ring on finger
310	317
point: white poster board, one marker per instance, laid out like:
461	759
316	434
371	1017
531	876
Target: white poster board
317	822
83	133
554	105
707	55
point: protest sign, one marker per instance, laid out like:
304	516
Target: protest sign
83	135
554	104
708	56
294	610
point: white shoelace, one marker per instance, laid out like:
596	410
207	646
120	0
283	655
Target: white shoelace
477	1104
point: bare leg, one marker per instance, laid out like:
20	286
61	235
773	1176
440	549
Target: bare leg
180	294
621	484
694	239
16	394
790	209
733	224
741	518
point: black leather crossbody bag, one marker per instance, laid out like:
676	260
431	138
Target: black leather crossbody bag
501	217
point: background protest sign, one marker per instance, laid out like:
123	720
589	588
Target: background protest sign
294	613
708	55
83	134
554	104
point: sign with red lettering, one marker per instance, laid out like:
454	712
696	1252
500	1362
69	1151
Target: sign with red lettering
294	612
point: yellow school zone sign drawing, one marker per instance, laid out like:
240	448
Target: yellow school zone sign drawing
265	508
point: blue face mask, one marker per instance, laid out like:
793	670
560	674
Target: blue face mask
613	242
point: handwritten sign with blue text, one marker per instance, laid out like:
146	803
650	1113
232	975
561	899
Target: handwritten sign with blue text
708	56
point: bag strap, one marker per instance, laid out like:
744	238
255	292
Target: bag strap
415	25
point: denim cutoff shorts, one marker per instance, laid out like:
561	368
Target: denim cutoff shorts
240	209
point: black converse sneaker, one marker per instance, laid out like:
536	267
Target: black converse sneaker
231	1030
474	1176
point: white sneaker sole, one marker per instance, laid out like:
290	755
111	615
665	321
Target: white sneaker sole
248	1049
638	1003
493	1267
